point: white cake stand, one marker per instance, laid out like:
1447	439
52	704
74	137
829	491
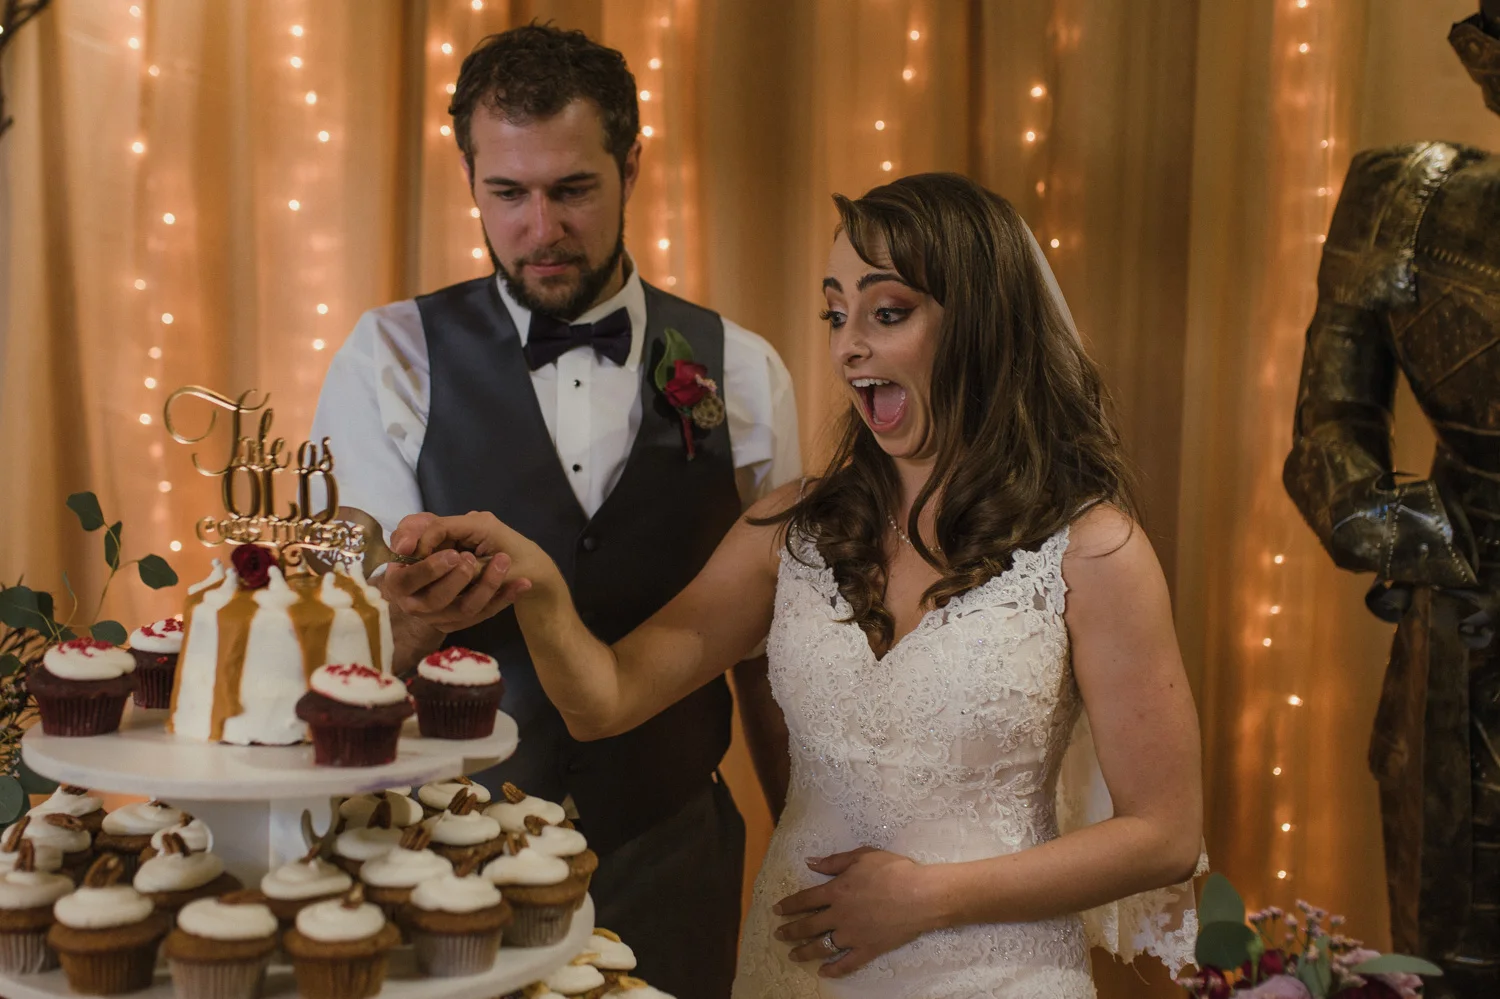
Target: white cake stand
253	798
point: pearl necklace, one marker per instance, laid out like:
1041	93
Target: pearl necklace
902	535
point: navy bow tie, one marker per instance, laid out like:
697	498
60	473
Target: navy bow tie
551	338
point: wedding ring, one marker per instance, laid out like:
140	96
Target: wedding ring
829	947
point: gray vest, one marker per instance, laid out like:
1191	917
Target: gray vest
487	448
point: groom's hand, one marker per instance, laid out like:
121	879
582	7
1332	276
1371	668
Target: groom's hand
449	590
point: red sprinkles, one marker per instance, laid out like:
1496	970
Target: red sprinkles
162	629
85	646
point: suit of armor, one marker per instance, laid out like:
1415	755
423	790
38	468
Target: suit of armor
1410	284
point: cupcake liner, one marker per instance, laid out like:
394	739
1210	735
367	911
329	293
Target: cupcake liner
218	980
26	953
92	714
350	978
442	719
111	973
154	687
342	746
539	925
449	955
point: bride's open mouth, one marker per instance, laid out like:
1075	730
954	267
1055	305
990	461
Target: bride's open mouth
884	402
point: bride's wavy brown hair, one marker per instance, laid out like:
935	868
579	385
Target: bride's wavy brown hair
1020	429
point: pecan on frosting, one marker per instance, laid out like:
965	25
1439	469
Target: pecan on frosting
25	857
415	838
626	983
72	823
354	897
381	817
600	931
463	802
104	872
585	958
16	834
74	789
535	824
469	865
513	794
173	843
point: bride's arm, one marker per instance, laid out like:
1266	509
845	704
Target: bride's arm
601	690
1145	728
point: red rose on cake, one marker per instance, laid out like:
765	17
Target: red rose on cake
457	692
355	715
253	564
81	687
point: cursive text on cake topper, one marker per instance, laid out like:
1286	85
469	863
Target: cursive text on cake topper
253	462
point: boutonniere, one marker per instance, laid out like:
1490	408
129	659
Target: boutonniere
688	391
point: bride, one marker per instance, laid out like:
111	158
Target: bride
994	749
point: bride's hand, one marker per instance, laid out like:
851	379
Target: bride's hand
876	902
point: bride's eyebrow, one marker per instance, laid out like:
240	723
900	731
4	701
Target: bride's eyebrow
877	277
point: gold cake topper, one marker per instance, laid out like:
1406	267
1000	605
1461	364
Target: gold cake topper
248	484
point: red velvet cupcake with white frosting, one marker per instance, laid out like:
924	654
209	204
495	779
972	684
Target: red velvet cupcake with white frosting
156	647
354	714
458	693
81	687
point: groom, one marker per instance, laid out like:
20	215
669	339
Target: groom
531	394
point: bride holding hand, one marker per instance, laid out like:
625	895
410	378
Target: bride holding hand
995	755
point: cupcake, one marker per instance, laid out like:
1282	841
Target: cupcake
355	812
82	686
461	834
569	844
455	923
458	693
511	813
634	988
127	831
354	714
155	648
352	848
221	948
177	876
77	802
577	979
46	857
541	891
390	878
338	948
26	899
194	832
437	796
610	954
106	934
66	835
292	887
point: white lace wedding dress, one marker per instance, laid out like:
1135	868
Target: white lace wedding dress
949	748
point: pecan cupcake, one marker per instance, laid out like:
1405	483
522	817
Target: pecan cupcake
46	857
292	887
541	891
66	835
128	830
26	899
155	648
610	954
390	878
633	988
578	979
69	799
462	834
458	694
569	844
177	876
354	714
82	686
221	948
106	934
338	948
355	812
455	923
438	795
352	848
511	812
194	832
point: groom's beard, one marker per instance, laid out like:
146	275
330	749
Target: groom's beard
591	281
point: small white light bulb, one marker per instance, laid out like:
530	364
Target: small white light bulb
166	319
176	546
323	136
318	344
146	419
311	97
322	308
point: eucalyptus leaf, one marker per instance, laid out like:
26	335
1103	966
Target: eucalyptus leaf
33	782
10	664
112	545
1387	964
86	505
677	349
19	608
1224	946
112	632
1220	903
156	573
13	800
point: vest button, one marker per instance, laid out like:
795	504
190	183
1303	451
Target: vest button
590	543
577	468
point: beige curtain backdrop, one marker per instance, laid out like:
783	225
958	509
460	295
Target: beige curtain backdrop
211	191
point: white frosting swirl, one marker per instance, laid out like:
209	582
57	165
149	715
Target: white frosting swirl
305	879
196	835
45	858
32	889
87	659
213	920
102	908
451	893
366	843
357	810
63	802
527	868
649	992
462	830
575	979
611	955
439	794
58	838
142	819
555	841
163	637
402	868
352	683
178	871
332	922
512	817
460	668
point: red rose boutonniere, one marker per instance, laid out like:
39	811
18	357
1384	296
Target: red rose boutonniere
688	390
